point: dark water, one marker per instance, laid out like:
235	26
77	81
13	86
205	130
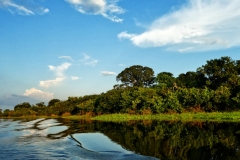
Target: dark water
79	139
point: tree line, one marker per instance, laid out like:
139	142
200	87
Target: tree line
214	86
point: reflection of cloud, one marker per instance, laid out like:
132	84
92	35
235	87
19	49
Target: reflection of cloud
199	24
23	8
49	83
60	69
38	94
74	78
108	73
107	8
87	60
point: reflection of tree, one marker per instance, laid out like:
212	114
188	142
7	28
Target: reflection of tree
177	140
165	140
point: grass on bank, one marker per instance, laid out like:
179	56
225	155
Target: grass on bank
214	116
200	116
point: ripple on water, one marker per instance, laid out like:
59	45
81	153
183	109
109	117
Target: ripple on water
35	143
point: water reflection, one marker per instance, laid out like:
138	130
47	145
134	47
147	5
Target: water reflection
76	139
58	139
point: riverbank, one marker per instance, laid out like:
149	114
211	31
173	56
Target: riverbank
201	116
214	116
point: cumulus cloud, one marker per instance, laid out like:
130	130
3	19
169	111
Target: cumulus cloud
107	8
38	94
23	7
66	57
197	25
59	70
49	83
88	61
108	73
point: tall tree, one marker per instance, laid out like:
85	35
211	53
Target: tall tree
52	102
22	105
137	76
165	78
191	79
223	71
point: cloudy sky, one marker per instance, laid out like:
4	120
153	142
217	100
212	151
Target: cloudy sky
55	49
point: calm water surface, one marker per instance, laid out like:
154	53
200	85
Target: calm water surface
80	139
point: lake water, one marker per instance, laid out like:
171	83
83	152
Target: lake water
81	139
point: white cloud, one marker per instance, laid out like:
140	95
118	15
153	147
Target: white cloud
122	65
44	10
38	94
197	25
88	61
185	49
125	35
66	57
23	8
106	8
59	70
74	78
13	7
108	73
49	83
91	63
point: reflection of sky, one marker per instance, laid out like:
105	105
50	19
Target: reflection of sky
48	123
46	127
20	142
99	143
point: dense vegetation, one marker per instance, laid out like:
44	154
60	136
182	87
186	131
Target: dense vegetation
214	86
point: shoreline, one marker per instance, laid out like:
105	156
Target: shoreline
121	117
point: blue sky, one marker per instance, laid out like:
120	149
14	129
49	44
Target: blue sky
55	49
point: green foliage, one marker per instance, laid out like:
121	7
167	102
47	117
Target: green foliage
194	97
22	105
171	102
52	102
222	97
137	76
23	112
213	87
165	79
223	71
109	102
6	113
191	79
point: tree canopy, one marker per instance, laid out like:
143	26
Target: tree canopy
22	105
191	79
137	76
223	71
165	78
52	102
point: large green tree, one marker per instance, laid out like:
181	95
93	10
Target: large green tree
165	79
22	105
52	102
223	71
191	79
137	76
